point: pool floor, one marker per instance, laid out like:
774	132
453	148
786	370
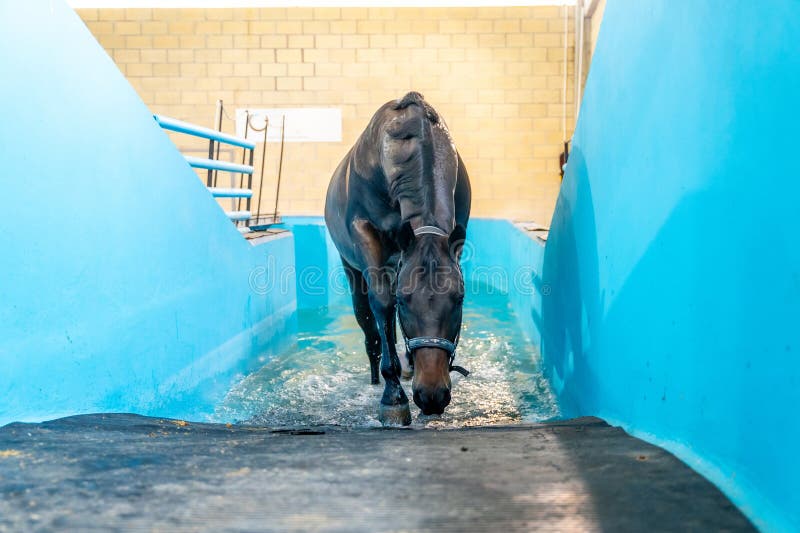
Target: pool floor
323	378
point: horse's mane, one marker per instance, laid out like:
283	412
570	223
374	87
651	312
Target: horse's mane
415	98
413	158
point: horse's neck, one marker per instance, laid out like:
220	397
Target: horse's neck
435	209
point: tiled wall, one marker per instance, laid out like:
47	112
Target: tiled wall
495	74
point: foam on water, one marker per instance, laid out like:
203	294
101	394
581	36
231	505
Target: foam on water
324	378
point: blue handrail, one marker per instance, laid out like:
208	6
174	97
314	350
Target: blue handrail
213	164
207	133
221	192
238	215
244	192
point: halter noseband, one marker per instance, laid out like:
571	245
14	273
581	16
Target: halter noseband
433	342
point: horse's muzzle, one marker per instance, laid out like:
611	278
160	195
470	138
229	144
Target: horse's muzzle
432	401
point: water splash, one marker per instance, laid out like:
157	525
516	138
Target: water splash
324	378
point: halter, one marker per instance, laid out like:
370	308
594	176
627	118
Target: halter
430	230
435	342
414	343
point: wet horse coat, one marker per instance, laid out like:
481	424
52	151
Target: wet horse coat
402	192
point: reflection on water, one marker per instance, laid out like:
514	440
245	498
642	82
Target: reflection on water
324	378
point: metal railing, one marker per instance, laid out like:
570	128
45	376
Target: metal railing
244	219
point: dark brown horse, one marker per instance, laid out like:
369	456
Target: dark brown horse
397	210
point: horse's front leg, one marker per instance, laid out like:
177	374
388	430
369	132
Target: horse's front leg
394	409
381	278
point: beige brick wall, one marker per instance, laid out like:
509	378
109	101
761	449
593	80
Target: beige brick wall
495	74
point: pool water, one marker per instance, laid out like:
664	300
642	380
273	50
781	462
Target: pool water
323	379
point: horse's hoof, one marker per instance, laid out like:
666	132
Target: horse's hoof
395	415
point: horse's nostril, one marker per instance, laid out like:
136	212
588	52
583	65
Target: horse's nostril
432	402
418	400
444	398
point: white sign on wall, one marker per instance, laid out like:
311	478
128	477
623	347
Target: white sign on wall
309	124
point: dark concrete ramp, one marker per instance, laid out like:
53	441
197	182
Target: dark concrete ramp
126	471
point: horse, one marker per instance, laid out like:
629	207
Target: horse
397	209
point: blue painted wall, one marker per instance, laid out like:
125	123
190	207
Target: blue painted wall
508	259
124	286
671	283
674	256
321	280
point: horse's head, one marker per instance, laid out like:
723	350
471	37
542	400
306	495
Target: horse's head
430	294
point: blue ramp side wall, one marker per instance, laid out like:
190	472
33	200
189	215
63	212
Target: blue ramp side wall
124	286
674	257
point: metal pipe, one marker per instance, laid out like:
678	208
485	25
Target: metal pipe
280	169
198	131
576	38
219	129
199	162
566	71
250	177
211	142
244	156
261	176
579	26
591	8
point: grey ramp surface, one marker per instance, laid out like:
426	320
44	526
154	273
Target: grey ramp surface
121	472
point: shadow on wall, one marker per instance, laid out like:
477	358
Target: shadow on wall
574	292
698	317
700	313
690	323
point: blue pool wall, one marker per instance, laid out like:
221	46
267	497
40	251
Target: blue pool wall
124	286
674	257
320	278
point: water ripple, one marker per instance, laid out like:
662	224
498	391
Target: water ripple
324	378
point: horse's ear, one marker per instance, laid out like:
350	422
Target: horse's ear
456	240
405	236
